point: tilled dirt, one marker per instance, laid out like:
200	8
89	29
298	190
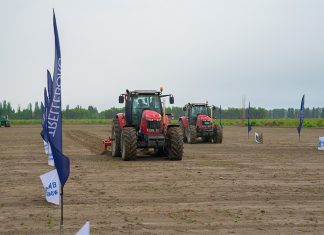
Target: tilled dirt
235	187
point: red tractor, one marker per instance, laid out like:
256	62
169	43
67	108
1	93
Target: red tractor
145	125
198	122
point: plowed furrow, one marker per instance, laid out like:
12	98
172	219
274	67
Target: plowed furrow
87	140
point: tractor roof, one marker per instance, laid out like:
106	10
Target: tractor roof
145	92
196	104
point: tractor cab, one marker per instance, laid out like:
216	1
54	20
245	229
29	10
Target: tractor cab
193	111
142	104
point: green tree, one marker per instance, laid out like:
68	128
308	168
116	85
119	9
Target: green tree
37	111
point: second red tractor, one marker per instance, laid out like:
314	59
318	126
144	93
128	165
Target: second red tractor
198	122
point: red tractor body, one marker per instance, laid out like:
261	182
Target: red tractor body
151	123
198	122
145	125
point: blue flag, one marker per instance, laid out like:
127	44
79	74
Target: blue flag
301	116
220	116
54	113
54	116
43	121
49	85
46	101
46	107
62	163
249	116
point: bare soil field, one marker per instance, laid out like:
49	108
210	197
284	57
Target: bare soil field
237	187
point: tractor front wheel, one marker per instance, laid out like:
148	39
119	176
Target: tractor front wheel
116	136
174	143
191	135
128	144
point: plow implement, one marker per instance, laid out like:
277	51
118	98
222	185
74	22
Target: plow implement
106	144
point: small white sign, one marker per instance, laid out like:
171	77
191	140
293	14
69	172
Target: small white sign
50	156
256	136
85	230
320	143
51	184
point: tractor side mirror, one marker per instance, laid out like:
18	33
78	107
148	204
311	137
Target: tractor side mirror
171	100
121	99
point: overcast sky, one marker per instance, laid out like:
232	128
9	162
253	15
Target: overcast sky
270	51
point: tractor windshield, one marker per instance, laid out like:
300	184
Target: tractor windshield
146	102
141	102
199	110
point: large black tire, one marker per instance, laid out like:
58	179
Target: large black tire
218	138
182	129
116	136
174	145
219	135
128	144
191	135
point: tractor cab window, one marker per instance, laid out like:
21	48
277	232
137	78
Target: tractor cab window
141	102
146	102
199	110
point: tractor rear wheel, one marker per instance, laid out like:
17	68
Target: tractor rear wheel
182	129
191	134
174	144
218	138
128	144
116	136
219	135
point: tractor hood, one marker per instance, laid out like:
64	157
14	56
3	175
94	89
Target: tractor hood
203	117
204	121
151	123
150	115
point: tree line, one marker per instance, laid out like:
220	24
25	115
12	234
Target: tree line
78	112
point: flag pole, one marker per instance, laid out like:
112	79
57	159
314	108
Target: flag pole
249	124
62	223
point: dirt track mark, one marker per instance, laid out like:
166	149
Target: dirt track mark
89	141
